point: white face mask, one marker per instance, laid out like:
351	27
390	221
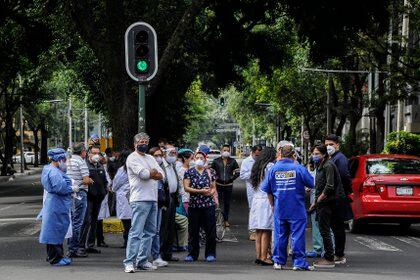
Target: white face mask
330	150
96	158
199	163
62	165
225	154
171	159
159	159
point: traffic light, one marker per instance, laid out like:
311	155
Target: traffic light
141	54
222	101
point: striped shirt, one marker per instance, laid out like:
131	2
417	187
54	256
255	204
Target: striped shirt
76	170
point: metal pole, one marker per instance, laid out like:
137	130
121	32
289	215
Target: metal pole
253	132
86	123
22	156
70	123
142	109
388	82
328	107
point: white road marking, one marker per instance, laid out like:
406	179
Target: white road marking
412	241
29	230
11	206
17	220
375	244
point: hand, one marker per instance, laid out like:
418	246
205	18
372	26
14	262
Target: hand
321	198
154	174
206	192
308	190
312	207
91	181
75	188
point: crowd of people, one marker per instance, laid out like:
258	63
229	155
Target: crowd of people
166	199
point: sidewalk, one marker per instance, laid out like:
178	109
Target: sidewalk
32	171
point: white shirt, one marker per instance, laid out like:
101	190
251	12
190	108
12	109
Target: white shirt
171	177
246	168
142	188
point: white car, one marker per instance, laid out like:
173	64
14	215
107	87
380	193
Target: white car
29	157
213	154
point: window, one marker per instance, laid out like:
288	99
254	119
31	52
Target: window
393	166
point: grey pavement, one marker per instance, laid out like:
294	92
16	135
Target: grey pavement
382	252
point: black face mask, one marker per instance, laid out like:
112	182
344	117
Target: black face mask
142	148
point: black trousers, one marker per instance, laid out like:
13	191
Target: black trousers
331	217
55	253
100	232
127	225
205	218
168	228
225	196
88	232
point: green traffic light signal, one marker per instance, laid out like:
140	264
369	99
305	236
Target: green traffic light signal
142	66
222	101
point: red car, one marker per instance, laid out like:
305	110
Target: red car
386	189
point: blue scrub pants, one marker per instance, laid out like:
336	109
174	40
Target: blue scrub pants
283	228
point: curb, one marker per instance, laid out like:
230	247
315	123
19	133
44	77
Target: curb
112	225
37	170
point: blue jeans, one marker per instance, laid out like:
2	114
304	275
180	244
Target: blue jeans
143	229
317	244
77	216
156	238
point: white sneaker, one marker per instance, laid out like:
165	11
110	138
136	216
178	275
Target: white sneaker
129	268
277	266
341	260
160	263
309	268
147	266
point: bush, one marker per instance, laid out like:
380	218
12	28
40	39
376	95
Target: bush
408	143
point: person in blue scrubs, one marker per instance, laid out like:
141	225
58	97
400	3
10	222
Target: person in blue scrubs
286	185
56	209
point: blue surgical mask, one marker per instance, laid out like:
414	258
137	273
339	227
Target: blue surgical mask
317	159
171	159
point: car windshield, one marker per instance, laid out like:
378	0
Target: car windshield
393	166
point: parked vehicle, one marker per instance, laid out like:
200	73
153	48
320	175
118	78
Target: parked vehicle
386	189
29	157
213	154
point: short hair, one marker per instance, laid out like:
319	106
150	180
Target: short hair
226	146
139	136
108	150
283	144
94	147
333	137
287	151
78	148
153	150
164	140
256	148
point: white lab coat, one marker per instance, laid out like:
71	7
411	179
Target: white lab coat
121	188
245	174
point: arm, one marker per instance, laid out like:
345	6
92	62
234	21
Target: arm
117	182
329	186
60	184
271	199
139	169
84	170
308	180
187	184
235	170
343	168
245	173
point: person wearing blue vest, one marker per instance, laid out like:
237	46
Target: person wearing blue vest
286	185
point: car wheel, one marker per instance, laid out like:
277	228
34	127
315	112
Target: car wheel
405	226
355	226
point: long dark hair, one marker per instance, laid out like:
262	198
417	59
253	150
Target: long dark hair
323	150
123	158
267	155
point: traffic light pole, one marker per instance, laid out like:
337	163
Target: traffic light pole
142	108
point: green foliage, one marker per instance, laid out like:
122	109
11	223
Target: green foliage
360	148
406	143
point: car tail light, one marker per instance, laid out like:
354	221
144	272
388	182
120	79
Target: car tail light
369	186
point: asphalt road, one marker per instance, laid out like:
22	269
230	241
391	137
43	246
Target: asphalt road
382	252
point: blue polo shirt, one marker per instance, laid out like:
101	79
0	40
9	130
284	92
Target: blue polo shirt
286	181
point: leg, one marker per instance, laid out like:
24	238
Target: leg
338	228
209	220
265	245
55	253
149	232
86	226
127	225
93	223
194	225
324	220
282	229
140	213
156	239
226	203
182	227
298	230
100	232
170	229
221	195
78	216
258	244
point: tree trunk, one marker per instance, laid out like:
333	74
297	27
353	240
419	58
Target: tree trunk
352	137
44	143
36	146
8	143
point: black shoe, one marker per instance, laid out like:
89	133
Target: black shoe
264	263
103	244
257	261
93	251
77	255
170	259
